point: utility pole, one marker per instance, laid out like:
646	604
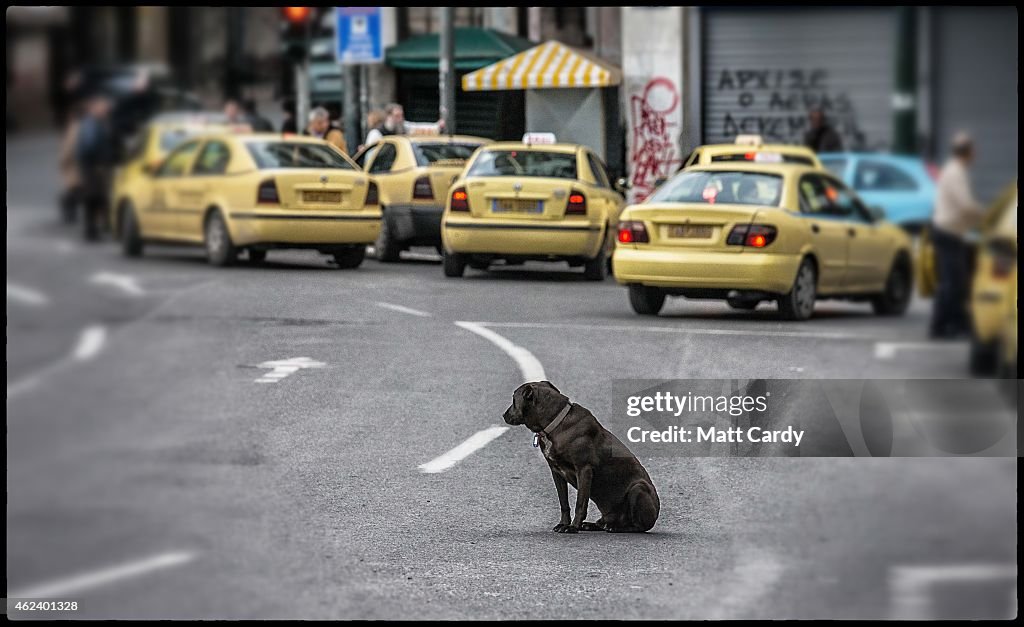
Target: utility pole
352	133
904	99
446	70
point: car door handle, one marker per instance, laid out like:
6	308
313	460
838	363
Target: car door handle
815	228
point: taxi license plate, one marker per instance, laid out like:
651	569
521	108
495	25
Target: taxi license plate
514	205
690	231
333	197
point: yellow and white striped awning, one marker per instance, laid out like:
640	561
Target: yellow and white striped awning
549	65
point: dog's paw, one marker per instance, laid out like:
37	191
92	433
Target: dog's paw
560	528
569	529
591	526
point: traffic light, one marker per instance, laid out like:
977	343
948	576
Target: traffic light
295	27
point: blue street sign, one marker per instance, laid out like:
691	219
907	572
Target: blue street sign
357	35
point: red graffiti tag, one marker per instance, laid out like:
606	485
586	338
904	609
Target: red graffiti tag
654	154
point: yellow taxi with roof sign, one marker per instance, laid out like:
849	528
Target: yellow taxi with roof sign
751	149
414	173
752	232
531	200
254	192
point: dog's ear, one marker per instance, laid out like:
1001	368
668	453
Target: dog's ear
552	386
528	393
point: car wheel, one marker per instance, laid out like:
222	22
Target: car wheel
351	258
745	305
256	256
798	303
220	251
131	239
387	248
898	289
596	269
984	357
646	301
454	264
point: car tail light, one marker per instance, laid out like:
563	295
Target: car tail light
1004	258
422	190
372	196
753	235
460	200
633	232
267	193
577	205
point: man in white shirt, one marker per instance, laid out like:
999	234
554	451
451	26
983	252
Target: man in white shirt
395	124
956	212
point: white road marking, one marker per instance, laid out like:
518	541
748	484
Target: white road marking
78	583
910	586
753	578
888	350
124	282
405	310
26	295
284	367
529	366
472	444
821	335
90	343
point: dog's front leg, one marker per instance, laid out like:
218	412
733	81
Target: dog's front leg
563	501
583	478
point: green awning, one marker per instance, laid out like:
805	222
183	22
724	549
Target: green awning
474	48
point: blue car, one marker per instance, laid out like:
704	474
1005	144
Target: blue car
903	186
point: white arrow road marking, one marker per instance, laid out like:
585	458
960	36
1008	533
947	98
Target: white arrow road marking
124	282
909	586
473	444
405	310
89	344
284	367
26	295
84	581
888	350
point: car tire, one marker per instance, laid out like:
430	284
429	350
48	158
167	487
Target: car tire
351	258
454	264
596	269
899	287
220	251
387	248
256	256
984	356
131	240
798	303
745	305
646	301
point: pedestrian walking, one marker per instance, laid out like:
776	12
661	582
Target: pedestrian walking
288	124
258	123
320	126
822	137
956	212
70	177
94	156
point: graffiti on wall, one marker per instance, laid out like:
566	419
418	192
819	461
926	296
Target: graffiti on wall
774	104
655	124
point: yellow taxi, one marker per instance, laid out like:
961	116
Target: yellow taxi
414	173
531	200
751	148
752	232
993	304
255	192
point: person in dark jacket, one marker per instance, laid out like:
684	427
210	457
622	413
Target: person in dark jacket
258	123
95	154
822	137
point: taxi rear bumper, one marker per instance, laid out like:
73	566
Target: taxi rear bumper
705	270
561	239
308	229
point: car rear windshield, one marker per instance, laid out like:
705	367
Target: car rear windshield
836	166
721	187
559	165
781	158
171	139
443	154
296	155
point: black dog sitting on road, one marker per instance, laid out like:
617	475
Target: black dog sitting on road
582	452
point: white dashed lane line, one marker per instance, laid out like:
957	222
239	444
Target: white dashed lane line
912	588
90	343
24	295
85	581
403	309
124	282
888	350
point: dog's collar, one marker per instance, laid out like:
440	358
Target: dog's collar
557	420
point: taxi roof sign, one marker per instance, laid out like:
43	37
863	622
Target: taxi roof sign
749	140
531	139
768	157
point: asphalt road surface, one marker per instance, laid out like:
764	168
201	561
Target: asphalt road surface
169	458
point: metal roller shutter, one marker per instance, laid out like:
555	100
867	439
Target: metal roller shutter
765	67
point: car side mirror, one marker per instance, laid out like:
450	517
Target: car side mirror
622	185
149	168
658	182
877	213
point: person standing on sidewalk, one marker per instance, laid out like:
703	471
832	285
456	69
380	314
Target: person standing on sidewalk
95	153
956	212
